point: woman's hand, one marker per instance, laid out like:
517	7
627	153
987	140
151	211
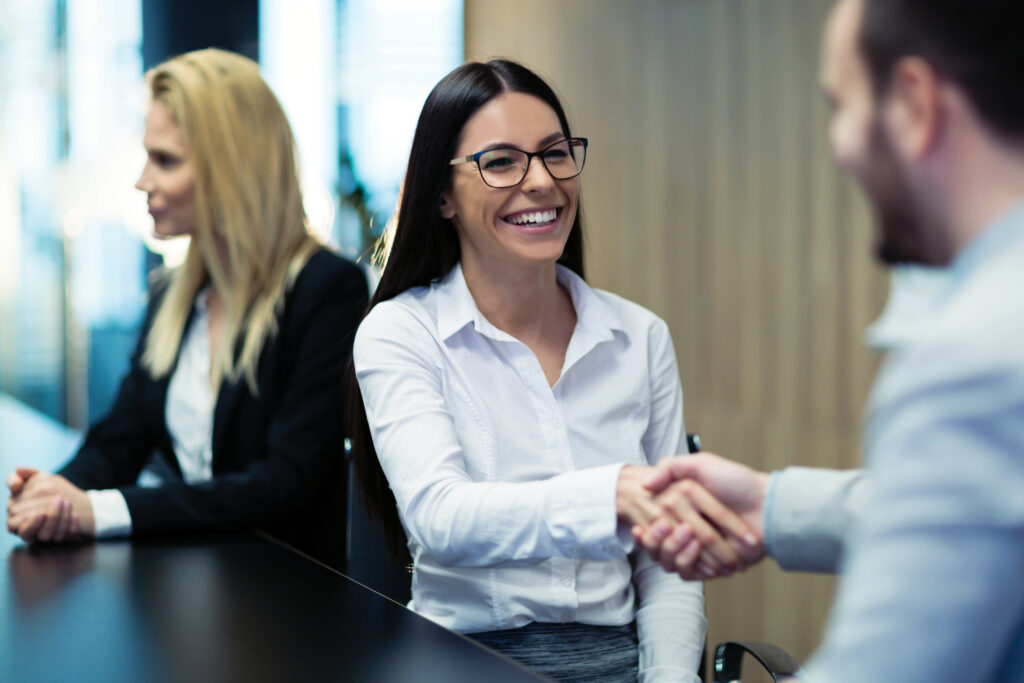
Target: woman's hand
47	507
723	493
675	515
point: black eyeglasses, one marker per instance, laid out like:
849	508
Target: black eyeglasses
506	167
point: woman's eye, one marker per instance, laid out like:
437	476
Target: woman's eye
555	154
165	160
497	164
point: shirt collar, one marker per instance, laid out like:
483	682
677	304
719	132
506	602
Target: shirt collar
917	294
456	308
1003	234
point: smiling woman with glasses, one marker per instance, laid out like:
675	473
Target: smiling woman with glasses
505	413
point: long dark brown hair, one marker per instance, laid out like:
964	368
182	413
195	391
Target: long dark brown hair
424	245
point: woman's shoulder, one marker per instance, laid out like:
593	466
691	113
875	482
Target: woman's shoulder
413	309
403	324
327	269
326	282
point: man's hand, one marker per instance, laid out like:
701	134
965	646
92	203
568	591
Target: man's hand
719	491
47	507
681	508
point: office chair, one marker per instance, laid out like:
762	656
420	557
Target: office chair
729	660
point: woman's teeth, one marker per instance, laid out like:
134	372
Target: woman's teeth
534	217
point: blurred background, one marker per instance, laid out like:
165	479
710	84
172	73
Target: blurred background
709	193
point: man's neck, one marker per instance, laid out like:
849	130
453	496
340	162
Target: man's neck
986	185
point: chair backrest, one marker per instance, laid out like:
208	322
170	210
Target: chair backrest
729	660
368	560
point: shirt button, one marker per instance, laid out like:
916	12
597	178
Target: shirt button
566	580
555	423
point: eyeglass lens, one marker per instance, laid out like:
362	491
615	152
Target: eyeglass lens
507	167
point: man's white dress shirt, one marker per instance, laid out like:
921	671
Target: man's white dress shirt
506	486
189	415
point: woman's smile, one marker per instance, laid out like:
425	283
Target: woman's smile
534	221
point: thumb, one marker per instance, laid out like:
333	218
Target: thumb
26	472
668	471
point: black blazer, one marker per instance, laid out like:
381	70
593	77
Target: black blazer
278	455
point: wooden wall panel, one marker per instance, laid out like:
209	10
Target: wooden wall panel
710	197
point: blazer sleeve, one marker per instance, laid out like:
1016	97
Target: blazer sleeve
118	446
809	513
304	434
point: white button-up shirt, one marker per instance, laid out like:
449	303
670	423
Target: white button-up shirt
189	416
506	486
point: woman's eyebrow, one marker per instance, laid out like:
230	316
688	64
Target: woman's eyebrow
504	145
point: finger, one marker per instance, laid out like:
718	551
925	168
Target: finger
707	571
14	483
76	526
61	532
39	485
28	505
670	547
670	470
655	536
26	473
724	518
645	511
53	512
686	561
30	527
659	479
716	551
15	522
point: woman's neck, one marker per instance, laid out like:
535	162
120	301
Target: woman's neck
524	302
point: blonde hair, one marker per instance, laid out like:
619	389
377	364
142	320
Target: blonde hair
250	240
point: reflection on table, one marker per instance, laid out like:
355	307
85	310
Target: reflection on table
212	608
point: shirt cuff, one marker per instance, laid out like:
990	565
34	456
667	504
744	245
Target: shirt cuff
584	521
769	503
110	513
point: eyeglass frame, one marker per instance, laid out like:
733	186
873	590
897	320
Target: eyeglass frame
529	159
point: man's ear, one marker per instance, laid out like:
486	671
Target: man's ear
447	209
915	112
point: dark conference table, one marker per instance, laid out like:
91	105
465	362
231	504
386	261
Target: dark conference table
213	608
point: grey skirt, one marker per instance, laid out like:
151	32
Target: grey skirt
569	652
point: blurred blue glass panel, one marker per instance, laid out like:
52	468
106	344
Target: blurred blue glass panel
71	259
32	135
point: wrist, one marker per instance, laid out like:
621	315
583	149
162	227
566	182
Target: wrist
634	504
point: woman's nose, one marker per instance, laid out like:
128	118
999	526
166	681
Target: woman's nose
537	179
143	182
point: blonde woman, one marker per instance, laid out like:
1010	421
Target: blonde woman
236	385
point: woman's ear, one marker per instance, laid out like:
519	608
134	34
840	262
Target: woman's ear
447	209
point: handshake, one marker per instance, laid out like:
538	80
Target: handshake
700	516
